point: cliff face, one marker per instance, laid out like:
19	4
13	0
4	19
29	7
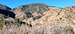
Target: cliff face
38	19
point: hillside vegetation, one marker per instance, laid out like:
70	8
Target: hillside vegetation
37	19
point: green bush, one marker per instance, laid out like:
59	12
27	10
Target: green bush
2	21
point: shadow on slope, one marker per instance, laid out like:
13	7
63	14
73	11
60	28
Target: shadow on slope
7	13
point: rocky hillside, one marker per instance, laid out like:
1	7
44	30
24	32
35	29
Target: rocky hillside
30	10
5	13
37	19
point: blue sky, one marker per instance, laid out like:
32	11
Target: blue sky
58	3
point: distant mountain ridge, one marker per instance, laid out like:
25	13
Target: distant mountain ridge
4	7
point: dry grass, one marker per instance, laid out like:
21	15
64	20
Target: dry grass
47	24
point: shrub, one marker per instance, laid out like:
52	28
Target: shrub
2	22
